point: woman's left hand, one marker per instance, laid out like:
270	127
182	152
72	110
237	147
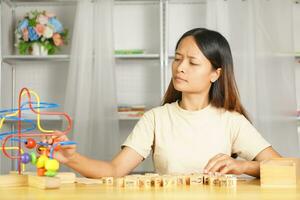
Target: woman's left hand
225	164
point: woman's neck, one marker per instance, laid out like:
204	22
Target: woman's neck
193	102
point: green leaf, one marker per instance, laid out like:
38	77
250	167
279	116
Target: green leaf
23	47
32	22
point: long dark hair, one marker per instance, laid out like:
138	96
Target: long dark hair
223	92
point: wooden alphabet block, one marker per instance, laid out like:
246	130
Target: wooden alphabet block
119	182
109	181
205	179
196	179
169	181
157	181
280	172
131	182
181	180
145	182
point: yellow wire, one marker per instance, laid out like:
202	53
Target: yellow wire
15	148
38	115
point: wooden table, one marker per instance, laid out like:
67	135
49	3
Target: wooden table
246	189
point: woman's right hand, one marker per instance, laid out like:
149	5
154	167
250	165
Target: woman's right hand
64	153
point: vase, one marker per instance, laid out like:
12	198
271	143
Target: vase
38	50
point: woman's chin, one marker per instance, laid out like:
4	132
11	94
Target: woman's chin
179	87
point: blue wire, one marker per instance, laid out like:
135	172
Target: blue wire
33	126
45	105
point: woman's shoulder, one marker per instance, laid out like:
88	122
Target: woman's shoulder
158	110
230	115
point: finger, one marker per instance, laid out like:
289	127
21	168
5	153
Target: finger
226	169
60	138
50	141
213	161
219	165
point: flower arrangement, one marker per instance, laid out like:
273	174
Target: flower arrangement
40	28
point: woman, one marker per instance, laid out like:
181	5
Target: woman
199	126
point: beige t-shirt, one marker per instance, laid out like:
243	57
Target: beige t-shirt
184	141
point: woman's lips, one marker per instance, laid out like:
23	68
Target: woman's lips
179	79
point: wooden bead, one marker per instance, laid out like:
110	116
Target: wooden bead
33	158
57	148
25	158
41	161
30	143
40	149
51	165
50	173
41	171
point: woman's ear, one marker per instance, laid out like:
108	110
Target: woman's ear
215	75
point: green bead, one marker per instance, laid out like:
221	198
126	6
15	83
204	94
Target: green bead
50	173
33	158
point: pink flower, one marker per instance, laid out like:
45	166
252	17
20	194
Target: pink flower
25	34
57	39
39	28
49	14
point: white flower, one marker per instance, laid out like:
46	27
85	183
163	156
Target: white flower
42	19
18	35
48	32
30	15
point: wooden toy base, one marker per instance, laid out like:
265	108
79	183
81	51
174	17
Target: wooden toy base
31	179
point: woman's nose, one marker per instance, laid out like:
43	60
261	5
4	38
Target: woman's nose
181	67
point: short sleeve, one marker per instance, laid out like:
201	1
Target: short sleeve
246	142
142	136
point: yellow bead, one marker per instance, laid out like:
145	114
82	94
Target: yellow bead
40	163
52	165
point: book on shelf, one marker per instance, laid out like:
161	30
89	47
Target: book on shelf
129	51
135	111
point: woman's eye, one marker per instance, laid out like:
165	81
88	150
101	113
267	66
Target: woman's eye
194	64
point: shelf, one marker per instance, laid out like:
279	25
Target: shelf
13	59
129	118
15	3
33	117
137	56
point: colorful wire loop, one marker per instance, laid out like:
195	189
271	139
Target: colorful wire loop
21	135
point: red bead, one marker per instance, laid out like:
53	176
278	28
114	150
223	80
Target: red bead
30	143
57	148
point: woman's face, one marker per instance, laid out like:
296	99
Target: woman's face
192	72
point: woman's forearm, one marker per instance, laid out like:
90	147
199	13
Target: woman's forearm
252	168
91	168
